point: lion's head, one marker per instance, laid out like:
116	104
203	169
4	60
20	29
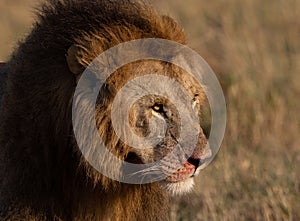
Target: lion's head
153	116
44	169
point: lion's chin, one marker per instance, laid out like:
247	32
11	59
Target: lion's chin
182	181
178	188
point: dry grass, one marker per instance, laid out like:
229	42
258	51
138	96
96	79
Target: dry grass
15	20
254	48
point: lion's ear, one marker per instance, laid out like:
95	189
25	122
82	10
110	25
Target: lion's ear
75	59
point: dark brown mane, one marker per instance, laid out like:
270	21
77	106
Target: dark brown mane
40	173
2	64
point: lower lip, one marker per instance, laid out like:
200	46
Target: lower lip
183	173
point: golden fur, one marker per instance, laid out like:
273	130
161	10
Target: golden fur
43	175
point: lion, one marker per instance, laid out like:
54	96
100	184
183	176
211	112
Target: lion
44	175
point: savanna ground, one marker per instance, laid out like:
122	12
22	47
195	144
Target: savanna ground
254	48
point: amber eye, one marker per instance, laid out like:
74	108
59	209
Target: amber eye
158	108
195	97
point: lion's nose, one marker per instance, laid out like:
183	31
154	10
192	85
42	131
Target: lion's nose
199	159
194	161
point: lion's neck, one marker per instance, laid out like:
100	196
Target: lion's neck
74	198
129	202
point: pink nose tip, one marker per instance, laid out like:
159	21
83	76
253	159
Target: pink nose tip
194	161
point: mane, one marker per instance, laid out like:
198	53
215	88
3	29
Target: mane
40	170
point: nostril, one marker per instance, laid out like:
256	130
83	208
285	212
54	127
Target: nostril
195	162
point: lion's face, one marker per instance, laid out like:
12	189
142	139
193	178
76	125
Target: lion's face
177	167
156	117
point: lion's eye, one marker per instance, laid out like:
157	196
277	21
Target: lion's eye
196	97
158	108
195	101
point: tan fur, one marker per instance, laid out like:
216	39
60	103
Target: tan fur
43	175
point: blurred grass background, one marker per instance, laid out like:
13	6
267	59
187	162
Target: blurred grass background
254	48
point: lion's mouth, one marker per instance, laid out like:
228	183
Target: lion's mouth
186	171
191	167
